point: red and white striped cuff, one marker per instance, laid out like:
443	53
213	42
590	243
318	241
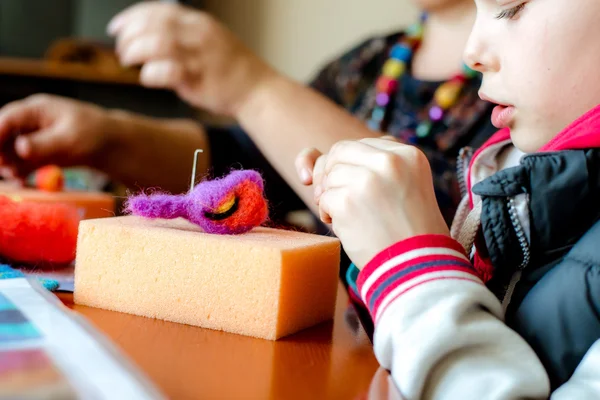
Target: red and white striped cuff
411	263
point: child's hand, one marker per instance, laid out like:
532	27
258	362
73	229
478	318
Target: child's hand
45	129
189	52
375	193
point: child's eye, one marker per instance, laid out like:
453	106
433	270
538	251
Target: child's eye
511	12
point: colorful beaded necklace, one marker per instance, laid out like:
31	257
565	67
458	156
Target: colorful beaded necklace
446	95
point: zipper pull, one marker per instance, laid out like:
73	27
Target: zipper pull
511	289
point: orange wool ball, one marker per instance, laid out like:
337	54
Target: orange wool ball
38	233
49	178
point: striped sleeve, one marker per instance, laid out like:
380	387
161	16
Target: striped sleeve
440	331
409	264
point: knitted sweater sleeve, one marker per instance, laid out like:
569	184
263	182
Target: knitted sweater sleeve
440	331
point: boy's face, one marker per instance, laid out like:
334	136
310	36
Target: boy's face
539	58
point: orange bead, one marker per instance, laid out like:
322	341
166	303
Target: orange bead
386	85
412	42
49	178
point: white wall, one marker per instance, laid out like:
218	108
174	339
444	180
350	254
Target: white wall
298	36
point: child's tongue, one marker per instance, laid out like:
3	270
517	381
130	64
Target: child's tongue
502	116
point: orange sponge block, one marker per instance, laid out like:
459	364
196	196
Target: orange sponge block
266	283
89	204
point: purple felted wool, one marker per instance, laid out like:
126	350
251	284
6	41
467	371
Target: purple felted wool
158	205
201	204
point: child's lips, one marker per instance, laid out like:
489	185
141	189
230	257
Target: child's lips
502	116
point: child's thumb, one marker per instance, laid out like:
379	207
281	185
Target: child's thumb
305	164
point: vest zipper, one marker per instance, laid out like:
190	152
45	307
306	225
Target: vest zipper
462	167
521	237
514	219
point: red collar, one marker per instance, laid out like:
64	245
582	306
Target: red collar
583	133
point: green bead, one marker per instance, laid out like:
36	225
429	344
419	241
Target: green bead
415	30
424	129
378	114
373	125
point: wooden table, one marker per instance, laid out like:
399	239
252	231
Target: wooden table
333	360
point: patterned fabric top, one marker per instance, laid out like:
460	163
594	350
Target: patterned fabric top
350	82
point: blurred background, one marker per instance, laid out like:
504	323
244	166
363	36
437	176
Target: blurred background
60	46
298	36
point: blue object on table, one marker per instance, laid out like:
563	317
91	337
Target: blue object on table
6	272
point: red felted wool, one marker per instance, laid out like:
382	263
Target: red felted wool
37	233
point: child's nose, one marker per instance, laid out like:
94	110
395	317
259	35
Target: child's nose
478	55
472	56
475	65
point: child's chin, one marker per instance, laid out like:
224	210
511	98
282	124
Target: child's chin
525	140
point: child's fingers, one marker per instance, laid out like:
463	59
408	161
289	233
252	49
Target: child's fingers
344	175
355	153
384	143
378	155
323	214
390	138
331	203
305	163
318	176
324	217
398	156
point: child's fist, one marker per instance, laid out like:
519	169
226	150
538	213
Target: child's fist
375	192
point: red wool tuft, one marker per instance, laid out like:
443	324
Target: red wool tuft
252	208
34	233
